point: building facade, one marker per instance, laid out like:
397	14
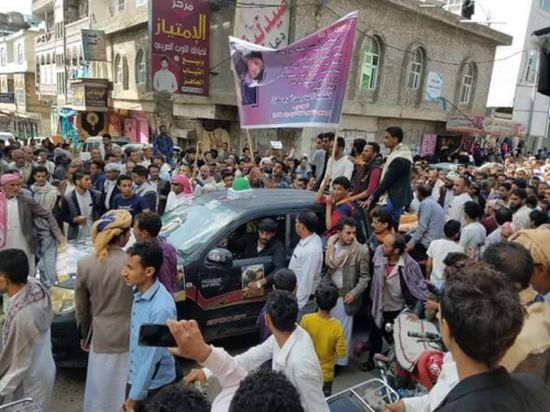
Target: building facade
21	110
514	106
413	66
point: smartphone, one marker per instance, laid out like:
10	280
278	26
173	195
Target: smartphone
152	334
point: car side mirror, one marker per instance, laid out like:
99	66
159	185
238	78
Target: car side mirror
220	257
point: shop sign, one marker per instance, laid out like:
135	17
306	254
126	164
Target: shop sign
427	146
93	45
267	24
90	97
7	98
180	38
464	124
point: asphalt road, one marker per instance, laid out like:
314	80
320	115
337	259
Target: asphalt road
69	387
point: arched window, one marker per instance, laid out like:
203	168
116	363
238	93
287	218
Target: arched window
371	62
141	73
467	83
119	74
416	68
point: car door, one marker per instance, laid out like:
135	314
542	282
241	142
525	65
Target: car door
227	307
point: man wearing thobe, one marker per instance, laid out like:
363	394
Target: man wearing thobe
17	216
27	369
103	304
348	268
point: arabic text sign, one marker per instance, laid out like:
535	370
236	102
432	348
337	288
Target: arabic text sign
93	45
180	33
303	84
266	24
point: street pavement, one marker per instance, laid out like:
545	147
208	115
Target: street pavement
69	387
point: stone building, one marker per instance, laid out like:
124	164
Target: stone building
401	46
21	110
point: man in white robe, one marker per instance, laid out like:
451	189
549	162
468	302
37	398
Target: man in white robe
27	369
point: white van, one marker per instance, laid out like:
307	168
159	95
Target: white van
89	144
6	137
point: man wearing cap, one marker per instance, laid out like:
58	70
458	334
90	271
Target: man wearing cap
182	192
262	243
110	190
148	154
17	216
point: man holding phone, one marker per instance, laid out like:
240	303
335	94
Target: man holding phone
151	368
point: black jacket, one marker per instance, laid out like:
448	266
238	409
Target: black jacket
246	247
497	391
70	210
397	182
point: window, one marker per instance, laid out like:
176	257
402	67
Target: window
121	5
545	5
3	59
119	75
19	53
454	6
416	67
371	61
467	84
141	3
531	67
141	74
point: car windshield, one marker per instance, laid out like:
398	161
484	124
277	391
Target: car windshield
190	227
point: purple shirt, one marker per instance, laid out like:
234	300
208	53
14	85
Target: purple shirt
169	269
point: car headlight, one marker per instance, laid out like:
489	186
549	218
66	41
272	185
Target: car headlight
62	300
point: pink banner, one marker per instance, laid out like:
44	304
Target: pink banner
427	147
300	85
180	35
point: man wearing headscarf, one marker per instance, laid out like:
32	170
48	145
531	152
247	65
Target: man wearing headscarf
103	305
537	242
17	216
182	192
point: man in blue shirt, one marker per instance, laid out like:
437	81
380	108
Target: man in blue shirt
162	143
127	200
151	368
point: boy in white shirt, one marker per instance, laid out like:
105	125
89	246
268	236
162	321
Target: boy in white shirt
438	251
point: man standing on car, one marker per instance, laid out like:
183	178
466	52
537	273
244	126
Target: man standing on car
103	304
394	190
397	282
151	368
307	261
348	268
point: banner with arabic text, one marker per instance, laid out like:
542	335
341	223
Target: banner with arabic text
300	85
180	35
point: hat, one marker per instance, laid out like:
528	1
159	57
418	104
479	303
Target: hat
9	178
452	176
241	183
267	225
113	167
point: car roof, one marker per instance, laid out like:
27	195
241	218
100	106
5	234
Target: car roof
265	199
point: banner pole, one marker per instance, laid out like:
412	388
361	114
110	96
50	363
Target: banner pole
249	140
335	142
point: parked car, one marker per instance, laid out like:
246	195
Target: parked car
211	289
6	137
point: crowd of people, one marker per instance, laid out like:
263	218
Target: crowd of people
466	244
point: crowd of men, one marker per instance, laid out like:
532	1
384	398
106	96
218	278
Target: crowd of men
392	224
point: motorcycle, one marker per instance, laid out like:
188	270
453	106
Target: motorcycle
414	361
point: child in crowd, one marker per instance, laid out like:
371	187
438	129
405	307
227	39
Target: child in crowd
326	332
283	279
